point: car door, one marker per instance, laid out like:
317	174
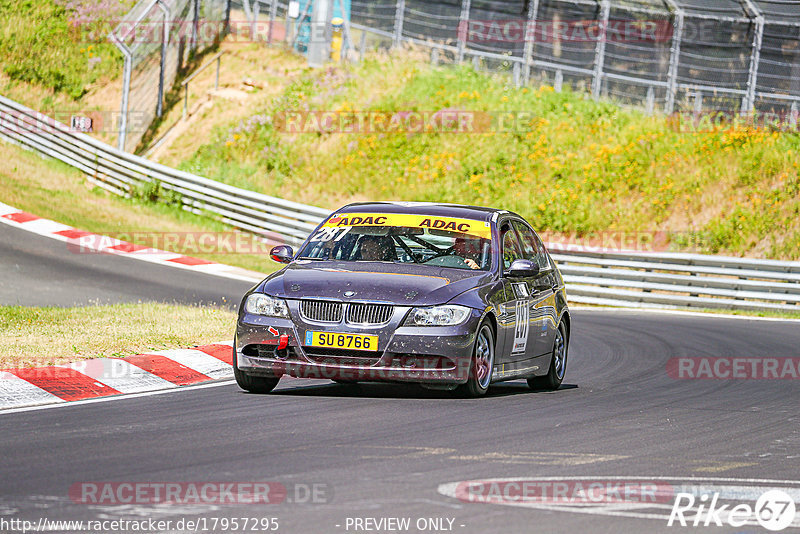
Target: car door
514	303
542	293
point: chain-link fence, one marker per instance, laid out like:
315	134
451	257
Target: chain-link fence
157	37
664	55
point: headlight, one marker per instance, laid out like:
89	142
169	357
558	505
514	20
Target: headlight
439	315
260	304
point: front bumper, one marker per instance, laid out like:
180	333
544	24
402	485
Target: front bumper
432	355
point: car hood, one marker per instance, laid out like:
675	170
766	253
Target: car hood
402	284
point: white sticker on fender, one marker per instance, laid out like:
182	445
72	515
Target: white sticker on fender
523	315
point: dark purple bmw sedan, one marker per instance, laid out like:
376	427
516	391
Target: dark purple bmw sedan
437	294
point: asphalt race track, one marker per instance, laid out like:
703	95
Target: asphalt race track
380	451
40	271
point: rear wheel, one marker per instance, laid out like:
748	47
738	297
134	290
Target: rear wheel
558	363
480	371
253	384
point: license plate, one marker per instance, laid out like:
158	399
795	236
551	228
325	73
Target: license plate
336	340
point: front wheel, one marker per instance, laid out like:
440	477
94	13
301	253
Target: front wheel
558	364
480	372
253	384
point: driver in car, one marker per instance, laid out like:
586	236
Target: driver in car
376	248
469	248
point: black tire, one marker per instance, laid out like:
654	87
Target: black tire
482	364
558	363
253	384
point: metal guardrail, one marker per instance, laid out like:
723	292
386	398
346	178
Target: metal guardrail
273	218
594	276
659	280
185	83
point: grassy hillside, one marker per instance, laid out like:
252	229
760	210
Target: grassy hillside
49	43
573	166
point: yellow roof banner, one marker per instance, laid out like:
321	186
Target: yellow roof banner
452	224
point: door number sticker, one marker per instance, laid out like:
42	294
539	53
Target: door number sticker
523	325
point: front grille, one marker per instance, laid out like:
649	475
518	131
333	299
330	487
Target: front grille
369	314
342	356
323	311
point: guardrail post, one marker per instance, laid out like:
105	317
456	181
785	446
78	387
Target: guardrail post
273	14
248	13
674	58
698	102
399	19
515	72
530	38
216	81
185	101
558	83
195	23
362	45
463	29
793	112
254	24
650	101
126	90
755	57
164	44
600	51
476	63
435	56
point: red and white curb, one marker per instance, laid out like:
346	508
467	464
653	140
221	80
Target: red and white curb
89	242
103	377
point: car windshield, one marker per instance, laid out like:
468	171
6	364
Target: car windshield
401	238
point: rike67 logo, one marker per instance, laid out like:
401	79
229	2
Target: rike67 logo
774	510
687	504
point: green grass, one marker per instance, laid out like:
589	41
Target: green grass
118	330
574	167
40	45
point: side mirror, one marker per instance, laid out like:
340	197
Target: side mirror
282	254
522	269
